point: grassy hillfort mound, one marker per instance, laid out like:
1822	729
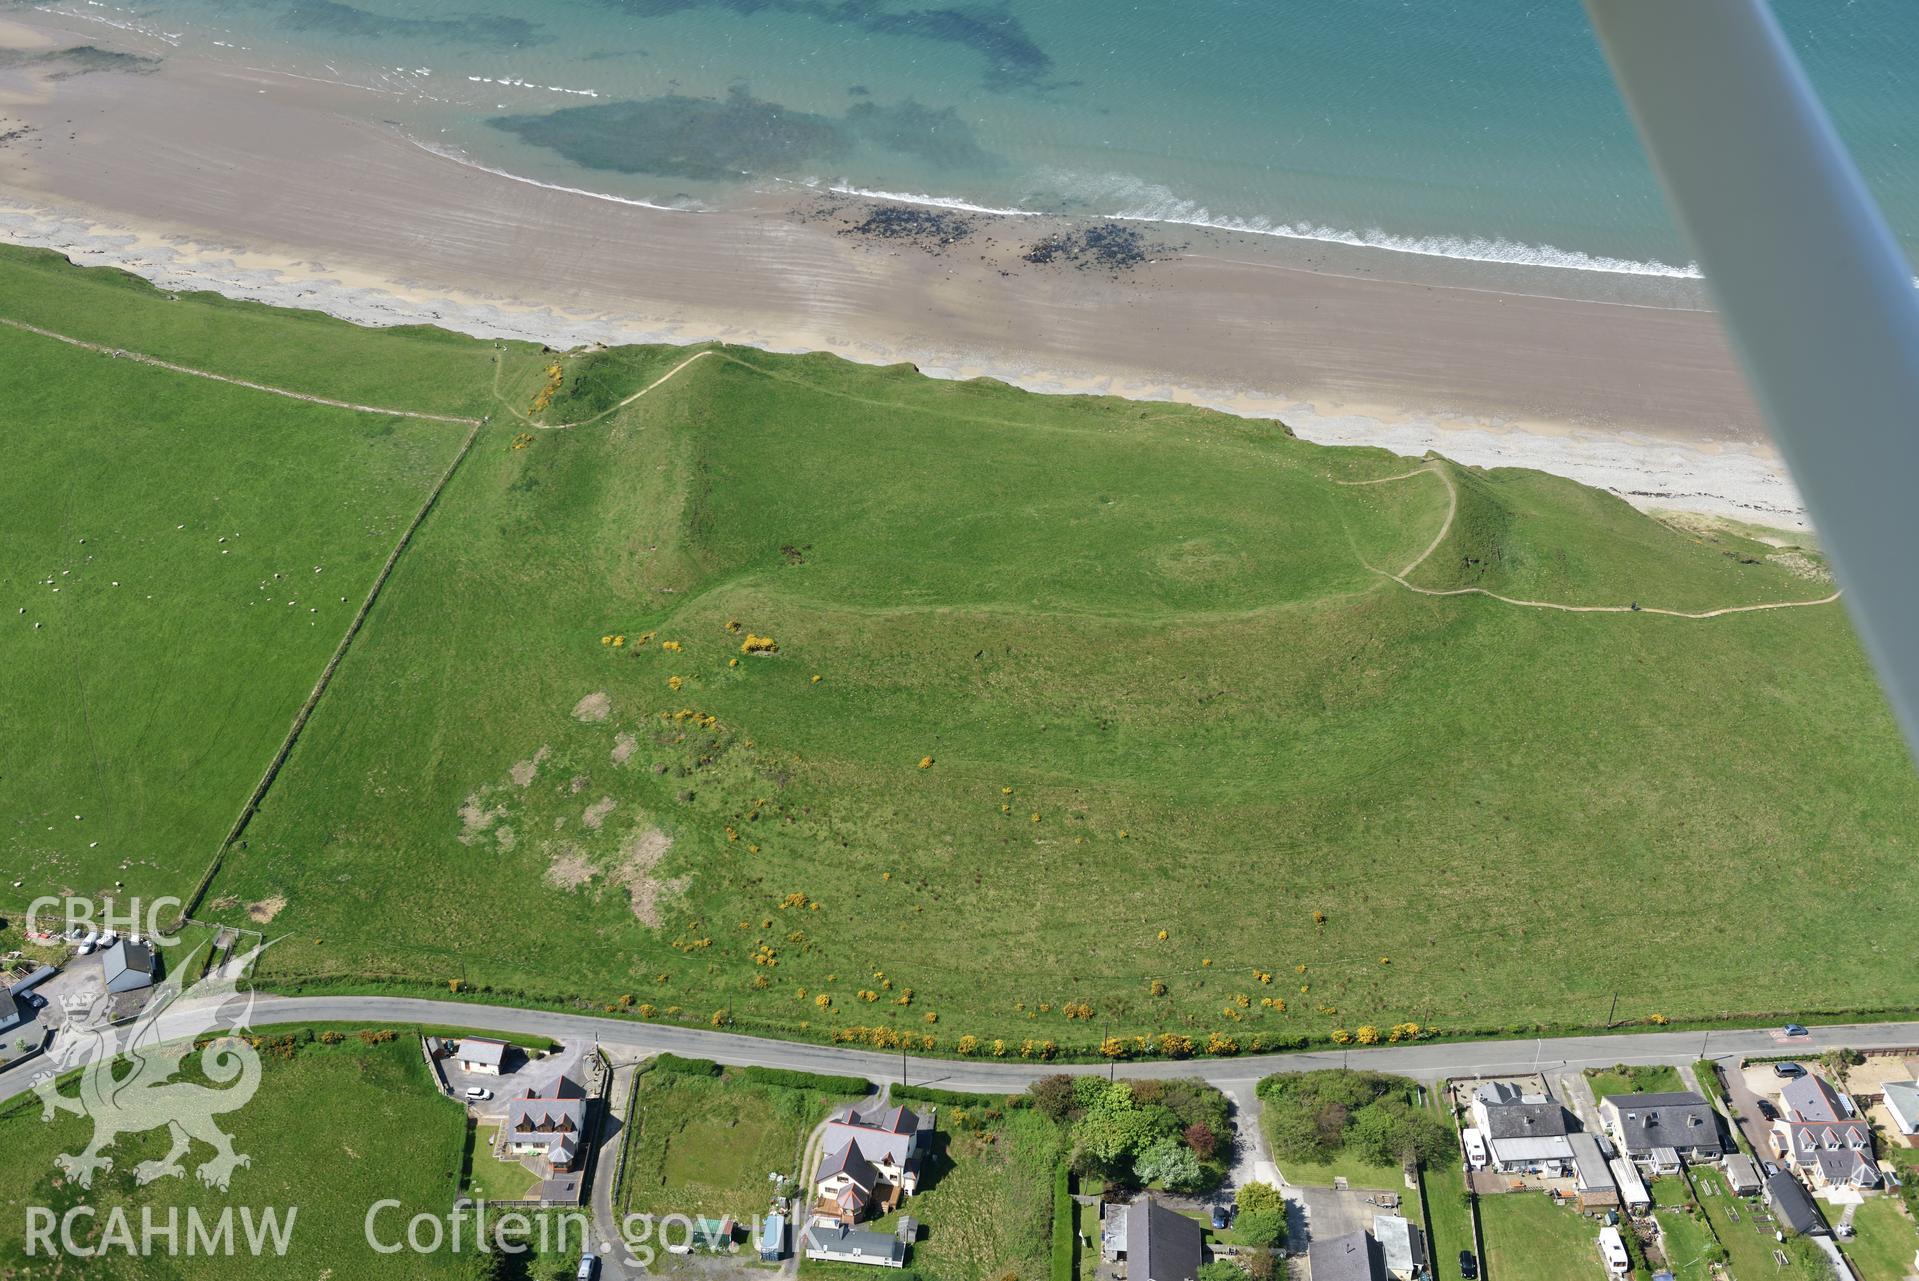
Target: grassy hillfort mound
838	702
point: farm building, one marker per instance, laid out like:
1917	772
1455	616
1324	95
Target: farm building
11	1014
129	966
482	1055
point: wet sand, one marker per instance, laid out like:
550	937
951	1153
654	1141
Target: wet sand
290	191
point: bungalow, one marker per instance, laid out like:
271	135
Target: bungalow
838	1242
1792	1205
1353	1257
1659	1130
1160	1244
481	1056
1822	1135
551	1126
1402	1245
1902	1101
128	966
1523	1133
871	1163
1742	1176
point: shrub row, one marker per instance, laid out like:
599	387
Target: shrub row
954	1098
808	1080
1062	1223
685	1067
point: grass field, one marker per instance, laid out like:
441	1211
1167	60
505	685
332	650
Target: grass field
1140	644
332	1130
703	1146
1685	1232
1658	1078
986	1214
1746	1231
1448	1213
1884	1241
1528	1237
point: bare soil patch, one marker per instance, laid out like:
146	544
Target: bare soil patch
638	857
266	909
524	771
567	866
623	748
594	707
596	812
476	816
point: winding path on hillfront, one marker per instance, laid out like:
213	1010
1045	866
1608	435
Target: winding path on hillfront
1435	467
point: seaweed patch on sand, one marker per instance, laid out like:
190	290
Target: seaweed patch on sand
1100	246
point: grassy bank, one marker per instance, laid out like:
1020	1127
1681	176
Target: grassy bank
1138	648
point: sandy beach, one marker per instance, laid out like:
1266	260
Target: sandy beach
266	186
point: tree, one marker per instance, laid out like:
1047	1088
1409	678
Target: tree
1169	1163
1221	1270
1262	1215
1052	1096
1200	1138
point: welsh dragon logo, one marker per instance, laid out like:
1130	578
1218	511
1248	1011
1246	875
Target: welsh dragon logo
126	1074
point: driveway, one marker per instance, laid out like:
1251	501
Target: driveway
1331	1213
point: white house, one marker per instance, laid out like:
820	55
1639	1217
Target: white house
1522	1133
1902	1101
481	1056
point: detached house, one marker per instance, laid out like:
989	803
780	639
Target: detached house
871	1164
1661	1130
1823	1136
1521	1133
551	1126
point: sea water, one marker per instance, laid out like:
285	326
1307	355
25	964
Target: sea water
1476	129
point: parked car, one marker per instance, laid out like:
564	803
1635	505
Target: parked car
1796	1029
478	1094
1221	1218
589	1266
1767	1110
1771	1169
1787	1071
1468	1266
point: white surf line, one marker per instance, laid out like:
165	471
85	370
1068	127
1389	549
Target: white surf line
1453	491
157	363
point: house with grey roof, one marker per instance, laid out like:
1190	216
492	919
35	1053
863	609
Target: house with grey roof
1659	1130
871	1163
1902	1103
1353	1257
1792	1205
550	1125
1522	1132
837	1242
482	1055
1822	1135
128	966
1161	1244
11	1012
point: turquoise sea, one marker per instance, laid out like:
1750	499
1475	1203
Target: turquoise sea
1479	129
